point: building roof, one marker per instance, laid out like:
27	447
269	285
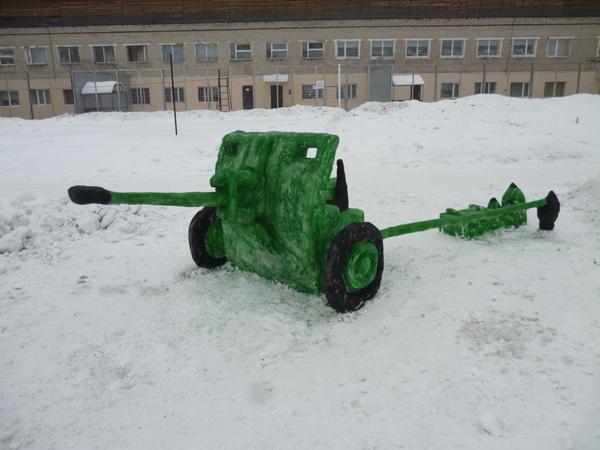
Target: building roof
38	13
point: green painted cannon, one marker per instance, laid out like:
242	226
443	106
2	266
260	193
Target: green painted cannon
275	211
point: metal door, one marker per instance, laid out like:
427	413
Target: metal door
380	83
248	97
276	96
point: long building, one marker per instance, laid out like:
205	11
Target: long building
73	56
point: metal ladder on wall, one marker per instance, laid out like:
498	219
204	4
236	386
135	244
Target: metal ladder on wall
224	102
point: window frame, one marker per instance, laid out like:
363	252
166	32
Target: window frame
197	44
14	56
555	84
455	90
500	43
535	47
464	46
269	49
210	94
47	99
337	42
393	41
78	47
179	98
65	97
233	49
141	94
345	93
10	103
523	85
308	49
172	45
146	53
27	51
598	48
103	46
417	56
483	85
548	55
318	93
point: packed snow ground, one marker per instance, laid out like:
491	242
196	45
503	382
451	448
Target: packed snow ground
111	337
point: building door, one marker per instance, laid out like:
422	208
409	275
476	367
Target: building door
415	92
247	97
276	96
380	83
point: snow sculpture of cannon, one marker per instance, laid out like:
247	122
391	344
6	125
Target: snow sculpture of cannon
275	211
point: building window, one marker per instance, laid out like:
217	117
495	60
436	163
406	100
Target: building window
141	96
347	49
179	95
383	48
172	49
554	89
417	48
36	55
347	90
208	94
558	47
449	90
313	49
598	50
206	51
489	87
277	50
137	53
519	90
240	51
9	98
68	55
104	54
68	97
489	48
310	92
40	97
7	57
524	47
452	48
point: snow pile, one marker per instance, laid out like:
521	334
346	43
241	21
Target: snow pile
111	337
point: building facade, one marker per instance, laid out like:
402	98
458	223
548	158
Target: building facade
78	67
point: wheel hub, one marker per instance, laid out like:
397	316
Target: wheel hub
361	267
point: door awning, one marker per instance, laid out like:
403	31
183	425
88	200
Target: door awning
407	80
275	78
99	87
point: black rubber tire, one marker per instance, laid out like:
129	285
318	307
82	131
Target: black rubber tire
337	255
199	226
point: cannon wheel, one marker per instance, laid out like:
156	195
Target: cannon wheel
353	267
204	222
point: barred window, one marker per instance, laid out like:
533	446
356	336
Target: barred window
208	93
309	92
140	96
179	95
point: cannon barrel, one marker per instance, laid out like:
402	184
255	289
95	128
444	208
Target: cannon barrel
85	195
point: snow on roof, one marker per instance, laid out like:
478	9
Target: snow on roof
102	87
407	80
275	78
